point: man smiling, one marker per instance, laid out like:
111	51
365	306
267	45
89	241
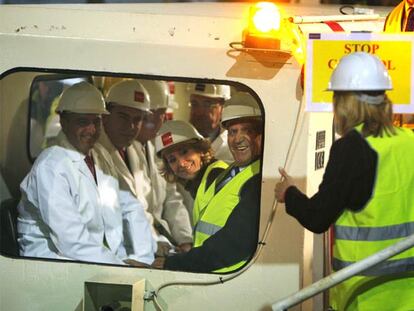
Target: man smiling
72	207
225	232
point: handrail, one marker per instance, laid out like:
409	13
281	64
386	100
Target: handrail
343	274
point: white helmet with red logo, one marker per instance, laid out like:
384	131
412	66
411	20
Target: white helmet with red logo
82	97
174	132
158	91
209	90
129	93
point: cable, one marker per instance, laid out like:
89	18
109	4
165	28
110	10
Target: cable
222	279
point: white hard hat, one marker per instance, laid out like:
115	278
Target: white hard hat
209	90
360	71
174	132
129	93
82	98
241	105
158	92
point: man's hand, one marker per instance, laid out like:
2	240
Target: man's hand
135	263
158	263
163	249
184	248
282	186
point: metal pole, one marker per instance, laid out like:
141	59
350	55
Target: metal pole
343	274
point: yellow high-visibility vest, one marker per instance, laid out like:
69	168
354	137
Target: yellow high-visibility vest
393	22
387	218
202	187
215	208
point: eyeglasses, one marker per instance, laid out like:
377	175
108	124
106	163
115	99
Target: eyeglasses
205	105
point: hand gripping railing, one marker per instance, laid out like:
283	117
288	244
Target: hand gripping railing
343	274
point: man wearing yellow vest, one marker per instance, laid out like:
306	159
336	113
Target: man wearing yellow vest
227	222
367	189
401	18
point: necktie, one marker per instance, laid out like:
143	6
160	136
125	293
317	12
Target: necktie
233	172
409	26
91	166
124	156
147	158
122	153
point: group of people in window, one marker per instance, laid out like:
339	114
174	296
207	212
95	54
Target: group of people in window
120	185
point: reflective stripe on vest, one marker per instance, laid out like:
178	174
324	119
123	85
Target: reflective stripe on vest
206	228
374	234
389	215
202	188
387	267
215	208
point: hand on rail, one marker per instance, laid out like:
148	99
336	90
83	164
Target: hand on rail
134	263
184	247
163	249
158	263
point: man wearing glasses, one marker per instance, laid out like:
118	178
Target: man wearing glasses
206	106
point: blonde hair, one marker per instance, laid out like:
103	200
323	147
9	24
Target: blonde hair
202	146
350	111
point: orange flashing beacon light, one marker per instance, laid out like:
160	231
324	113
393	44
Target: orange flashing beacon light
264	27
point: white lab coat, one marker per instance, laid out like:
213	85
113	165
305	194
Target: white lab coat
221	148
162	203
63	214
187	199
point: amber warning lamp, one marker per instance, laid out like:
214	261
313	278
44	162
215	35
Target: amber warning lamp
269	32
263	29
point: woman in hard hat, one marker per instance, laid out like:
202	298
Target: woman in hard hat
367	189
186	155
226	209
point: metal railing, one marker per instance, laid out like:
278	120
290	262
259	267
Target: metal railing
343	274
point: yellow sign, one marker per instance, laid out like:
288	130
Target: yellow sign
325	51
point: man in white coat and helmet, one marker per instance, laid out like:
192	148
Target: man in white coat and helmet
128	101
206	107
71	206
165	203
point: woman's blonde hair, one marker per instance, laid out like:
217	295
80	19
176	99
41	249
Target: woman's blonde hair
350	110
202	146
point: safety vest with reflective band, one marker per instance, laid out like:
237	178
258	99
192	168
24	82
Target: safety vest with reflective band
387	218
203	187
393	22
215	208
